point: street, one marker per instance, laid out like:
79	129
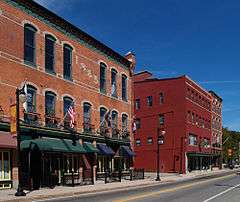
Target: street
221	189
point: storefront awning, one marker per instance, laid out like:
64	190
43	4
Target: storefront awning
53	145
198	154
105	150
126	151
90	148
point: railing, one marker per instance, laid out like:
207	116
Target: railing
104	131
115	132
137	174
125	134
52	121
71	179
88	176
32	118
88	127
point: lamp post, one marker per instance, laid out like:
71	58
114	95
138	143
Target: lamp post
20	96
160	141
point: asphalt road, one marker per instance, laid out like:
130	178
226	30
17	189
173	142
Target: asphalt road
221	189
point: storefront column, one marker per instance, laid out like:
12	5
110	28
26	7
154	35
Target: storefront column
95	163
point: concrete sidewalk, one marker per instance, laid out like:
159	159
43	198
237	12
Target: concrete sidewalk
100	186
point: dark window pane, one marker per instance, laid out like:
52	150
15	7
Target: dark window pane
29	44
31	99
67	102
50	104
67	60
49	54
124	87
103	78
114	83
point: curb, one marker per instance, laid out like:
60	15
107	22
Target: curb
153	183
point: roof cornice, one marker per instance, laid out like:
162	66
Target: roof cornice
51	19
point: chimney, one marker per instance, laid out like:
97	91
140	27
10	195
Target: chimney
131	58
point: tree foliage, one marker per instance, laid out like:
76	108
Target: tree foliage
230	140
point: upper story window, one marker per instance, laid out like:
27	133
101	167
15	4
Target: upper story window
149	101
49	53
124	87
161	119
137	104
67	103
138	142
192	139
150	140
103	68
114	119
161	98
138	123
124	122
30	44
86	116
114	83
31	98
67	62
50	103
103	112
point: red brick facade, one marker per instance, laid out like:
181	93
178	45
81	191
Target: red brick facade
86	59
187	111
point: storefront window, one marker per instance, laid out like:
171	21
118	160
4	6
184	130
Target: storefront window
5	173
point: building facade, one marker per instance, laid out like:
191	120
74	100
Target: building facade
181	111
58	66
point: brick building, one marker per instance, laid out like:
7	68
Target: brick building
62	66
182	111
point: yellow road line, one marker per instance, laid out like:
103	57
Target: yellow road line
132	198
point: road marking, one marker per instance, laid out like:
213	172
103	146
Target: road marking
221	193
132	198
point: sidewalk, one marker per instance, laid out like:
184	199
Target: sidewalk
100	186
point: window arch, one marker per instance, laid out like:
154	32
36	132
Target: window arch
30	44
87	112
31	99
103	113
49	53
67	61
114	119
103	68
124	87
50	103
113	82
124	122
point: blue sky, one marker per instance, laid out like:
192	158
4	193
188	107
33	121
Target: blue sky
200	38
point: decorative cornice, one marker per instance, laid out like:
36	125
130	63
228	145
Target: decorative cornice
71	31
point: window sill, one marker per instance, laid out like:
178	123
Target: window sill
50	72
124	99
68	79
30	64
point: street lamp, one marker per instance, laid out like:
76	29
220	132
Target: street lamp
160	141
20	97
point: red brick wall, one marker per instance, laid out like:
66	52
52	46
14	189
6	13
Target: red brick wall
177	126
85	70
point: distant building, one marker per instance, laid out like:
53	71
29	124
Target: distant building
184	110
62	66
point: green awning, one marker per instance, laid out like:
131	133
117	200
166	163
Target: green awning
198	154
53	145
90	148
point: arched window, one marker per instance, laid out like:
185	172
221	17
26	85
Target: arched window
124	87
103	113
49	53
30	44
124	123
50	110
31	98
103	68
50	103
114	83
87	117
114	120
67	62
67	103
